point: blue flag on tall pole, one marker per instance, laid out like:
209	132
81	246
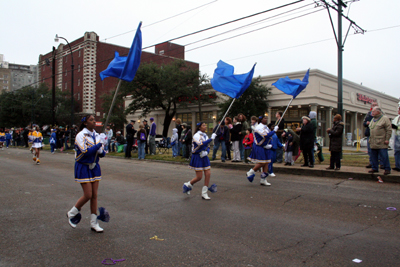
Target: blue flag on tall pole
226	82
292	87
125	68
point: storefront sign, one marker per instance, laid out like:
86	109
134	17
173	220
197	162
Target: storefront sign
98	123
365	98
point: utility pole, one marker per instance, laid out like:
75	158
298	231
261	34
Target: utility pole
53	89
340	42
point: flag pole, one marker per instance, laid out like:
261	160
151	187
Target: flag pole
112	104
279	121
225	115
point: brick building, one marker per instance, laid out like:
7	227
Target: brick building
90	58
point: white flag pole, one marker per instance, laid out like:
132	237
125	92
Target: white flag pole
277	122
225	115
112	104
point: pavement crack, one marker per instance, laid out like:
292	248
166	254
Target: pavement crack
293	198
325	243
337	184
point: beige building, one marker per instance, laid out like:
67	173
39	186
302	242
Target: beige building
320	96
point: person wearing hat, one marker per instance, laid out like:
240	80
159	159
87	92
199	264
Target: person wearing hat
307	138
152	138
336	140
119	140
147	129
53	141
396	129
130	138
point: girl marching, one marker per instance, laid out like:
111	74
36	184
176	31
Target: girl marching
261	154
200	161
36	138
88	150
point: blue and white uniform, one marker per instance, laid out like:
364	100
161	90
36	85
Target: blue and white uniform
88	150
36	138
2	137
200	143
262	137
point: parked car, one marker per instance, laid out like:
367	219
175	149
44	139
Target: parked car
159	137
363	142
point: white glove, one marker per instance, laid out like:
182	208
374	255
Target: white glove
203	154
276	128
100	151
213	136
268	146
103	138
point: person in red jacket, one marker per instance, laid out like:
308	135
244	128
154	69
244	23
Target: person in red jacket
248	143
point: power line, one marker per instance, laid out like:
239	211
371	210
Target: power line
161	20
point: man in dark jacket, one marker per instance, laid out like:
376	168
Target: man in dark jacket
307	138
281	125
25	136
366	123
336	141
147	129
222	137
130	133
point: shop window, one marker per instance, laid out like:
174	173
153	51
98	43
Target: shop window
207	119
303	112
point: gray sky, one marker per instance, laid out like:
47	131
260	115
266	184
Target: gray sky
29	27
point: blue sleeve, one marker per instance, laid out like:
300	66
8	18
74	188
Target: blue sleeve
92	150
204	146
279	144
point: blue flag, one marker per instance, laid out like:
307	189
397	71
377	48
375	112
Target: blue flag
125	68
292	87
226	82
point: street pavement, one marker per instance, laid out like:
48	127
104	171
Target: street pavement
298	221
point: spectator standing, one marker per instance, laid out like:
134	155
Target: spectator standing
281	127
25	134
245	125
313	118
336	141
16	138
179	127
380	133
2	138
228	123
141	141
222	137
307	142
184	127
236	139
130	133
248	144
187	141
8	138
147	129
152	138
396	128
288	137
174	142
109	133
367	121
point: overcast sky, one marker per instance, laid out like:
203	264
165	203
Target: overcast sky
28	29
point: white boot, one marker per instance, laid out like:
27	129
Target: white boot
204	194
187	187
94	224
250	175
73	217
263	181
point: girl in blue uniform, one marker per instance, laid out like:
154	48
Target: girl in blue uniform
88	150
261	152
200	161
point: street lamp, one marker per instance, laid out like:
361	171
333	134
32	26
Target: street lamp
56	39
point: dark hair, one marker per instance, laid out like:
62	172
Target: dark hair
198	126
254	118
229	120
280	113
236	118
244	117
83	120
270	125
249	129
261	118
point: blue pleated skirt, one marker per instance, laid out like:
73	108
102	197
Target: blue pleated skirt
199	164
259	154
83	174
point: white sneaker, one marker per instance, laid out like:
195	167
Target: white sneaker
272	174
204	194
264	182
94	224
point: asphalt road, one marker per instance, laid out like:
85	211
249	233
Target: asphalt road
298	221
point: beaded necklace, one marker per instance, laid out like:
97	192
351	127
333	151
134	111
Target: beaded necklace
375	122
